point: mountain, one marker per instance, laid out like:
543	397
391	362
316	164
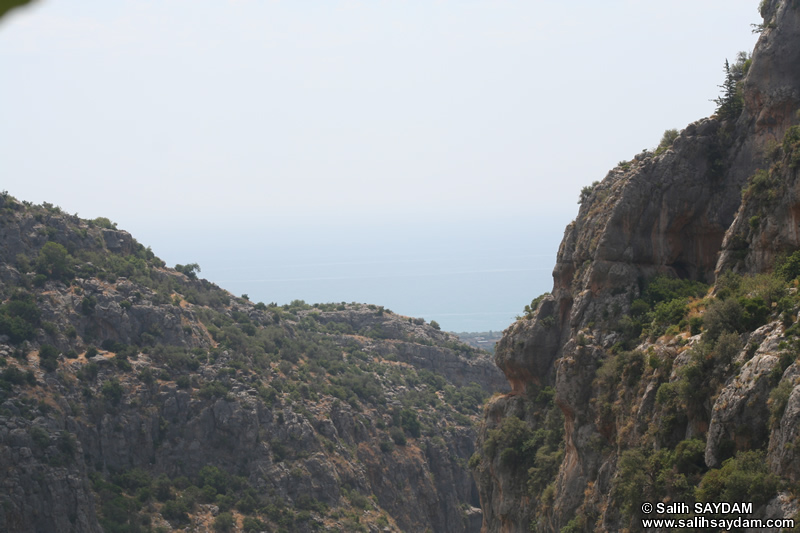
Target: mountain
663	365
136	397
662	368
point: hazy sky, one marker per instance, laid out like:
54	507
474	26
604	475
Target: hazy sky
270	117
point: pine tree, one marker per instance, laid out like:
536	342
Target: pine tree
730	104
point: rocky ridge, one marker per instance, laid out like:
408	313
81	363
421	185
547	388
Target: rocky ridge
683	384
135	397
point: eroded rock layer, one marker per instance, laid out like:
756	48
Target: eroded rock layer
649	381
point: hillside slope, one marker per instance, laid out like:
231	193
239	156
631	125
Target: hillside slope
634	380
135	397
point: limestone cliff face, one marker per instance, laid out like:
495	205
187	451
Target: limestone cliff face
679	213
767	221
772	87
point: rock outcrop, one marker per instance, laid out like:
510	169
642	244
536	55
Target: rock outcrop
135	397
679	213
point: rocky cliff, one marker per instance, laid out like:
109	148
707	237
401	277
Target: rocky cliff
663	361
136	397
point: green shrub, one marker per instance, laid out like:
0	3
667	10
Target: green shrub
791	145
667	394
722	316
667	139
474	460
398	436
224	522
16	376
225	502
175	357
789	268
55	263
88	372
639	307
744	478
147	376
309	503
770	288
778	399
48	355
48	365
49	328
163	489
534	305
586	192
247	504
410	423
357	499
663	304
689	456
214	389
23	264
103	222
112	391
88	304
253	524
632	483
508	441
40	437
467	400
625	367
67	444
279	450
189	270
215	477
760	186
546	463
133	479
576	525
665	289
20	317
644	474
176	512
667	314
706	370
118	513
728	345
48	351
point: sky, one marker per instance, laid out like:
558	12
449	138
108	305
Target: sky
257	137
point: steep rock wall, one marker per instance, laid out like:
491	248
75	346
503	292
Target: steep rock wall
678	213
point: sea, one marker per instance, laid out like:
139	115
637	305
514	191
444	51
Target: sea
469	276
